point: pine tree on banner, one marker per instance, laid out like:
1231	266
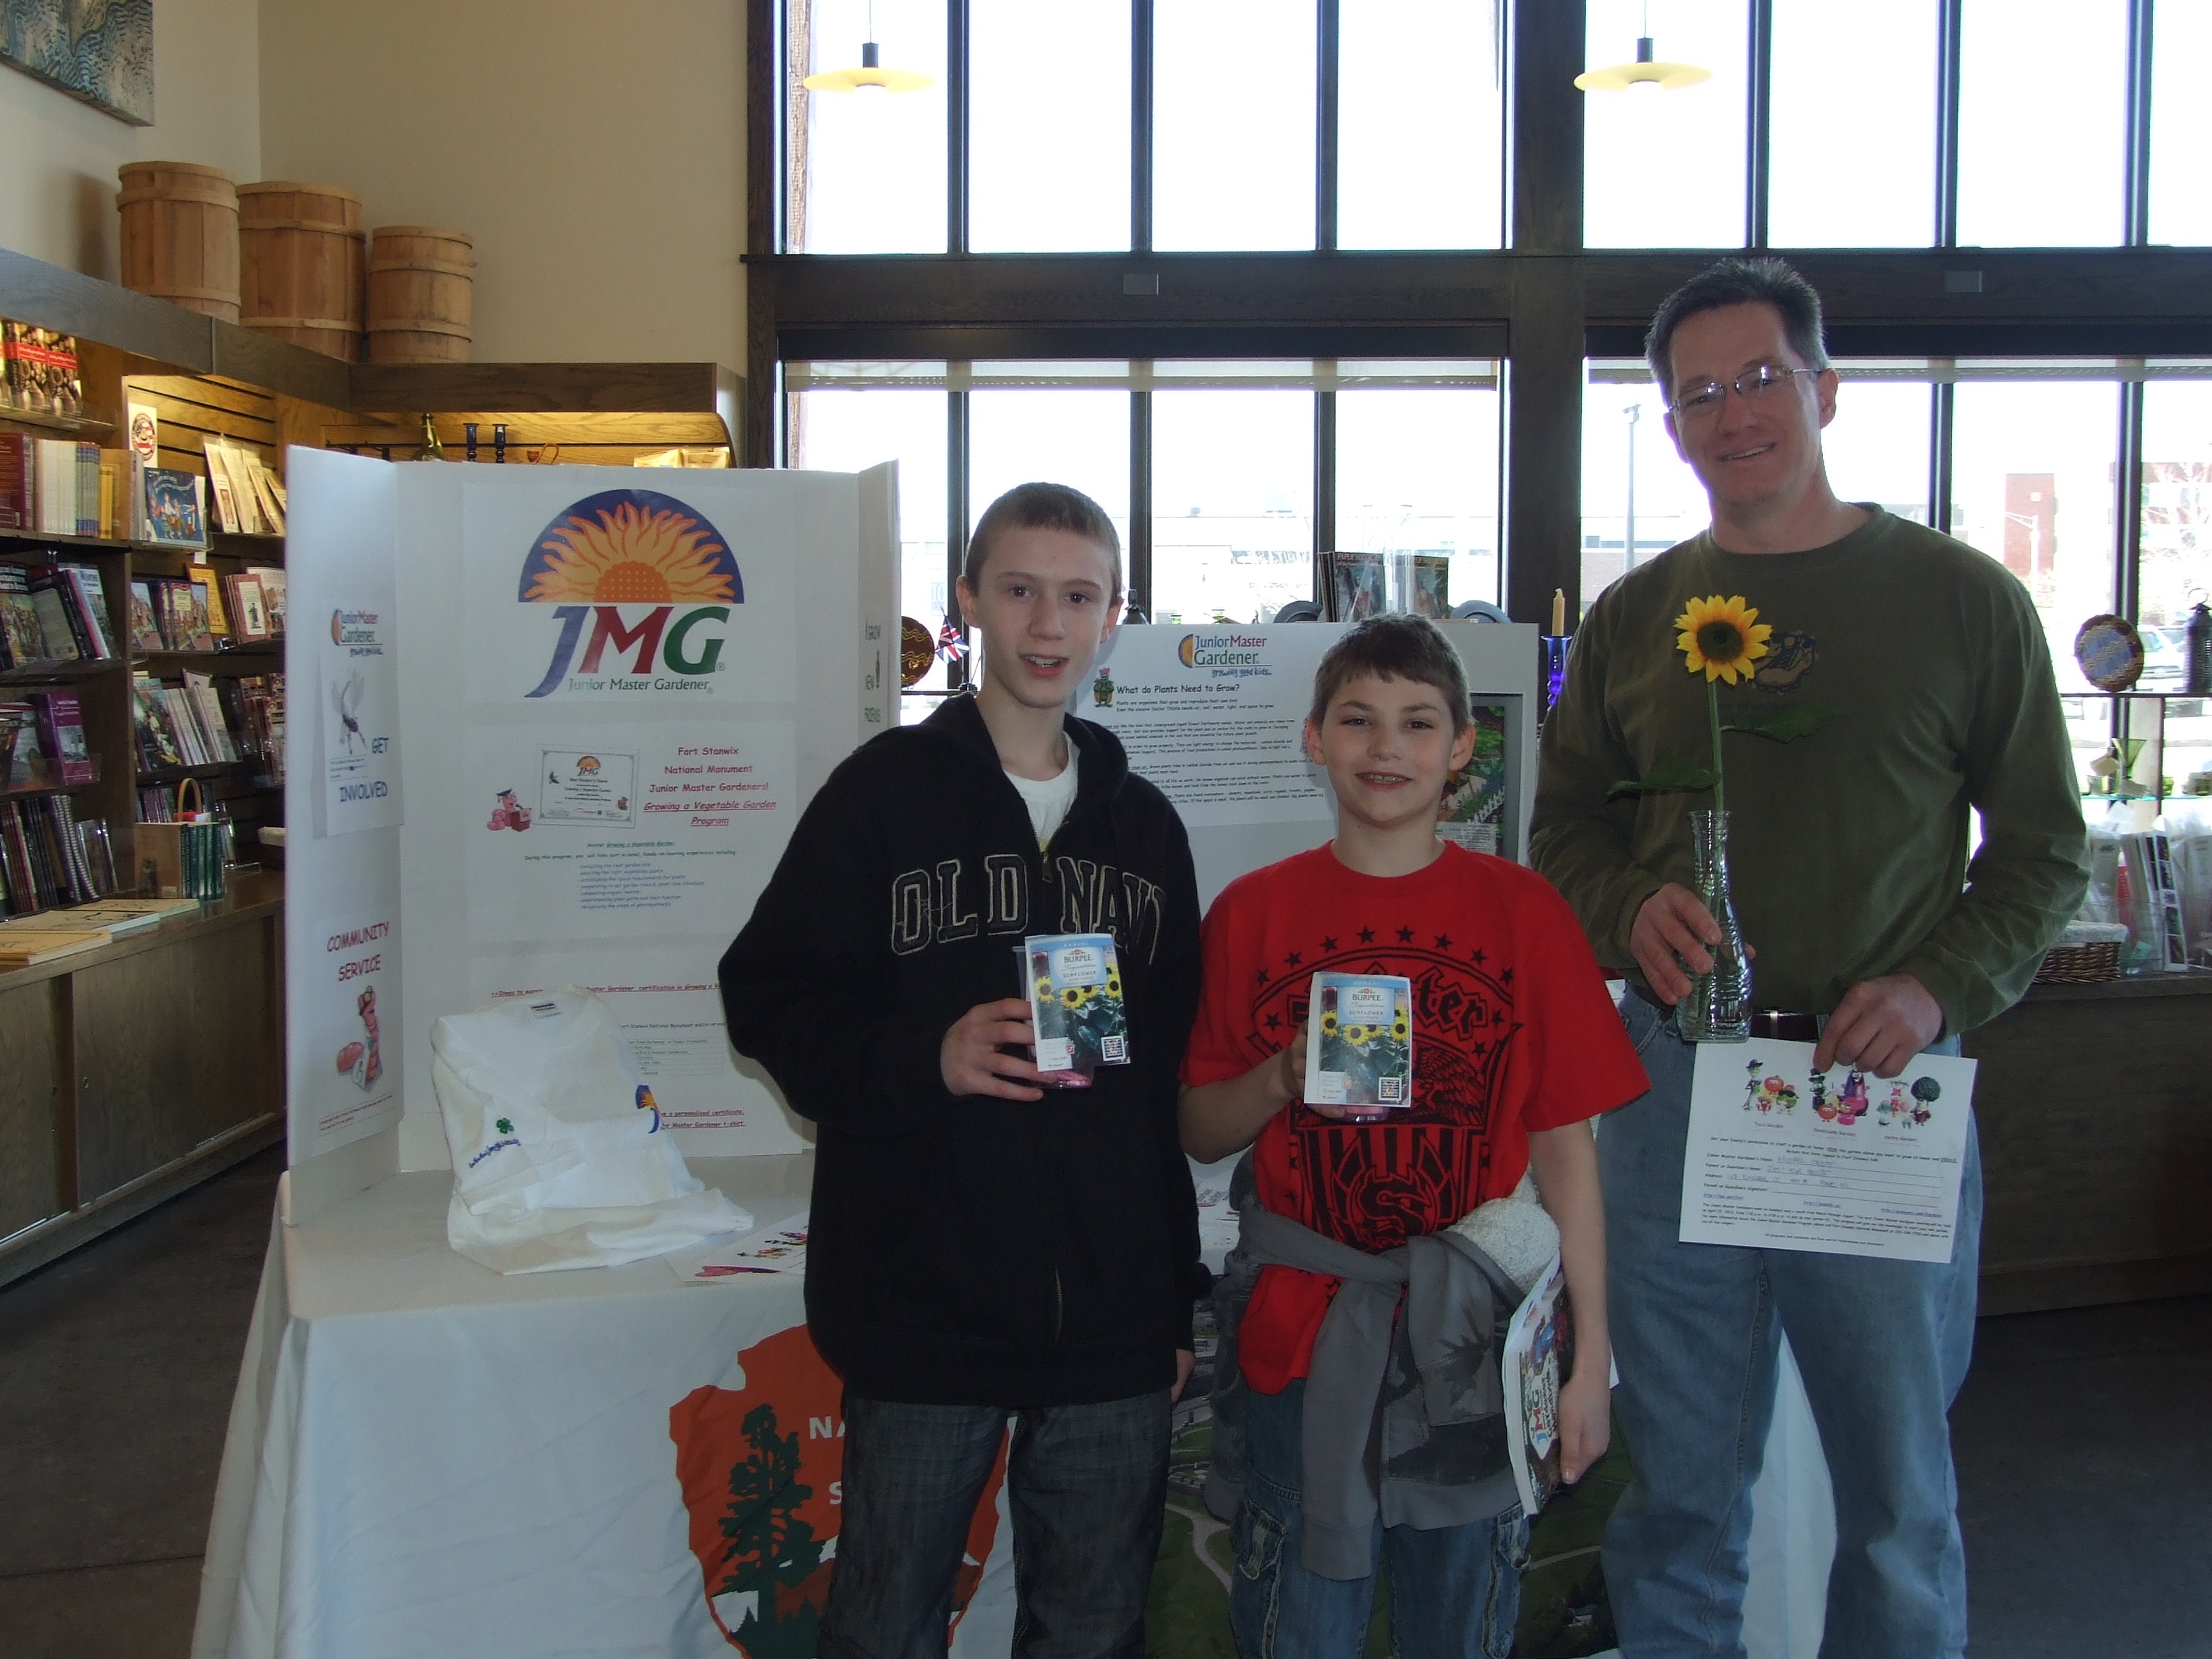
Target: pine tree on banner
772	1550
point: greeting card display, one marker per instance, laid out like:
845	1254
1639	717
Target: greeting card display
1073	984
1359	1043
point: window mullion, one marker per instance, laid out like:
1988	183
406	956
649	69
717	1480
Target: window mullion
1759	121
2136	206
1950	29
1140	488
1328	78
956	126
1140	129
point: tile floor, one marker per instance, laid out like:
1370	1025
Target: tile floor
2084	1441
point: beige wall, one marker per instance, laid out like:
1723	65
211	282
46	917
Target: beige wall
595	151
60	155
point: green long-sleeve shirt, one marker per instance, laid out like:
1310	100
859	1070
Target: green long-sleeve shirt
1847	848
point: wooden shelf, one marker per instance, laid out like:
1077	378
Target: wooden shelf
74	423
86	543
51	672
26	791
259	650
212	770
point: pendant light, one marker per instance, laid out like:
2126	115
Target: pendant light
871	73
1644	72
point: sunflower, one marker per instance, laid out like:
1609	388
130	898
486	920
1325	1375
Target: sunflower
1113	987
1044	988
1071	996
1722	637
632	555
1328	1024
1356	1035
1400	1028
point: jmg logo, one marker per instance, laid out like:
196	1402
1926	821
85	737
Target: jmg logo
633	551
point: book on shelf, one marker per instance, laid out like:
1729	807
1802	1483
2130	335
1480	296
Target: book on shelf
90	593
43	944
145	627
42	859
172	508
209	597
271	578
247	608
116	918
55	630
61	736
1357	589
226	516
18	741
199	689
22	635
41	373
269	491
18	466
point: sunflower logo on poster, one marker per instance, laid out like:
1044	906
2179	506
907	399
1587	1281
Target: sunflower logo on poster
639	589
761	1470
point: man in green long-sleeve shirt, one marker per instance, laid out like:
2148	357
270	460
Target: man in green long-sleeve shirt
1851	883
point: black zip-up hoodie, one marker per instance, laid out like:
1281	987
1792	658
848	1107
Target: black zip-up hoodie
969	1250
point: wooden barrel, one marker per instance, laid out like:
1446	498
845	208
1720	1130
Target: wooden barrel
181	235
421	282
303	255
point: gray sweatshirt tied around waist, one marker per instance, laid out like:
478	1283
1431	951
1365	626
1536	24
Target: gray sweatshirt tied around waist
1404	1418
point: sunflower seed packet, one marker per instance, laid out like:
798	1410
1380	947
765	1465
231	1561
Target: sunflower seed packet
1359	1043
1073	982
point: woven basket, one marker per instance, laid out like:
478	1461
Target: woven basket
2079	964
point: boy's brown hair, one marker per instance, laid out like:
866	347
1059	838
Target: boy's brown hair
1394	648
1043	507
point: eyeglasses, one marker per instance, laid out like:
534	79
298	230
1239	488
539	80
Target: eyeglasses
1703	402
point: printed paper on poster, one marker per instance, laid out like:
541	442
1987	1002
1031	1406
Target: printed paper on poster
359	699
1213	715
1842	1162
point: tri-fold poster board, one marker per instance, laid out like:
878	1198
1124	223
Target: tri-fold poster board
561	722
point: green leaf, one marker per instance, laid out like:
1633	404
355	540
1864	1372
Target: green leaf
1783	725
1673	773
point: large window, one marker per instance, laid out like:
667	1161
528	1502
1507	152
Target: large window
2042	170
1048	123
1252	467
867	169
1666	169
1844	172
1067	143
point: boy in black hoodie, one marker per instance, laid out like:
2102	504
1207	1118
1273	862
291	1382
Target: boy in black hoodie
980	1246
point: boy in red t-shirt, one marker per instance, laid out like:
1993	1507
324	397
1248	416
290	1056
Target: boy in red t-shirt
1516	1047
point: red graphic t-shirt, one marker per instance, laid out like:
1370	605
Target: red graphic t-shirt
1512	1031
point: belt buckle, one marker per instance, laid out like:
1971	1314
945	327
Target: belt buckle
1779	1025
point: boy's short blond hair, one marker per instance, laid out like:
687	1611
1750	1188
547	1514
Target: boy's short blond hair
1043	507
1394	648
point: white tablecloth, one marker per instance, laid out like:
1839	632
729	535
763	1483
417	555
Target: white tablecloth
425	1457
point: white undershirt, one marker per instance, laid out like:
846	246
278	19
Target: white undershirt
1048	798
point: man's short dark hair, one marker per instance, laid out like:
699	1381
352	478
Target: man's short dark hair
1043	507
1762	282
1394	648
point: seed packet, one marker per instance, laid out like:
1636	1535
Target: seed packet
1073	982
1359	1043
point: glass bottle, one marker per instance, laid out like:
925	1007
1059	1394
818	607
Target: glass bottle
1718	1008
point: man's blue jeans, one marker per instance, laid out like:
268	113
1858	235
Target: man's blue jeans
1086	1491
1455	1591
1883	1345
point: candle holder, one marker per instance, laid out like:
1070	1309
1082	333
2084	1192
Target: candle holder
1553	649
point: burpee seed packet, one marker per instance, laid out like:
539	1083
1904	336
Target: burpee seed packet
1359	1044
1073	982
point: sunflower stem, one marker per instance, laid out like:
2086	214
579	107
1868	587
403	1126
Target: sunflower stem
1713	719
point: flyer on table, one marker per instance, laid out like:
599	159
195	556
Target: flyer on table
1844	1161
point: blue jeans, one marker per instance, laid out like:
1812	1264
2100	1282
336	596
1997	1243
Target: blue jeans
1086	1491
1455	1591
1883	1345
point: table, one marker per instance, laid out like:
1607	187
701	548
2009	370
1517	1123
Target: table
426	1457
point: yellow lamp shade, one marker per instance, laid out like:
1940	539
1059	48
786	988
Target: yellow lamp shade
871	73
1644	72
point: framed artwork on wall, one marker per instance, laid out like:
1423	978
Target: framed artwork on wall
100	51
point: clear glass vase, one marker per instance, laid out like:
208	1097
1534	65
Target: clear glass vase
1718	1008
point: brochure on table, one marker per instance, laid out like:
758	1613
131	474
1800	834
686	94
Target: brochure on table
568	718
1213	715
